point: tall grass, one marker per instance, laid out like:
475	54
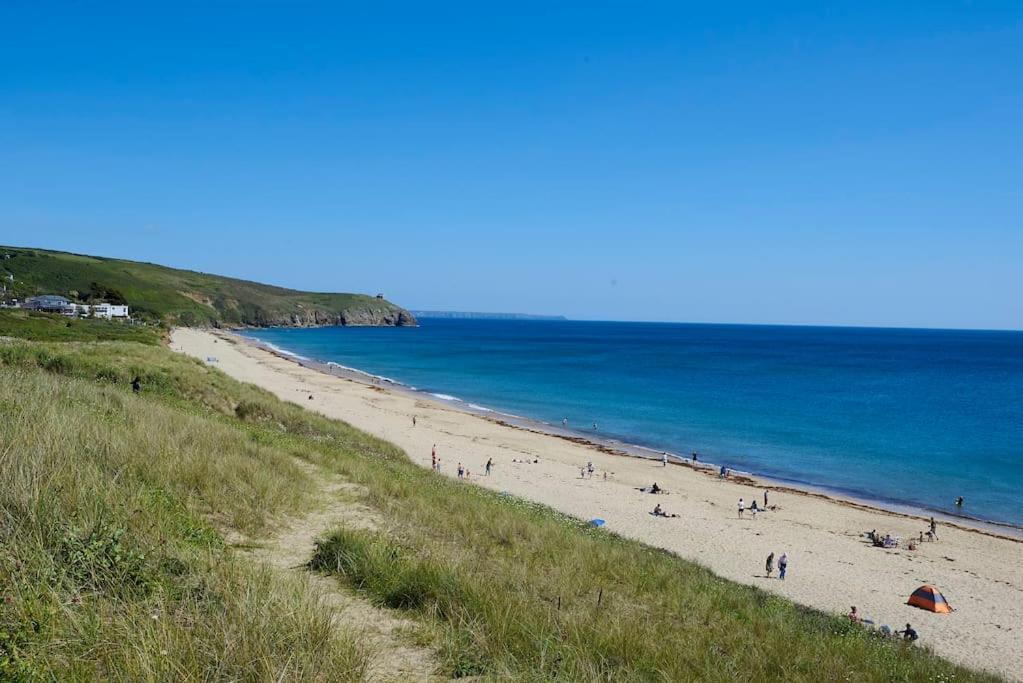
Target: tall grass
110	569
502	588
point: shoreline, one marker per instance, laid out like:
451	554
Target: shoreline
611	446
831	564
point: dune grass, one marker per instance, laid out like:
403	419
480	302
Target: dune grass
111	569
501	588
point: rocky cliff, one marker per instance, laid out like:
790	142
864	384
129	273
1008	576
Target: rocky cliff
355	316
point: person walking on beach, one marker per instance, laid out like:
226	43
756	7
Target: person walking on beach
765	499
490	463
934	529
742	507
589	469
783	566
664	459
433	460
461	471
694	456
413	420
769	567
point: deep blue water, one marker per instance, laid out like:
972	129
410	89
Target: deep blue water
910	416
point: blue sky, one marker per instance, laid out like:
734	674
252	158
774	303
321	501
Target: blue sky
723	162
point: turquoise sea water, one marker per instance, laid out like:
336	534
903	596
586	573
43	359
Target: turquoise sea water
915	417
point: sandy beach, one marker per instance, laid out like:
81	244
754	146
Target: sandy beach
831	564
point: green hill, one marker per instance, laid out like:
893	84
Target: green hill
186	297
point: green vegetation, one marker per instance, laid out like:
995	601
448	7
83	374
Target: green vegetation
112	566
48	326
115	506
159	293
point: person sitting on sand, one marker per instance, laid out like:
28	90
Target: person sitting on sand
659	512
853	615
655	488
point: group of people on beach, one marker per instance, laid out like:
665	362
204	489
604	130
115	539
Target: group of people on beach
887	541
907	633
462	471
753	507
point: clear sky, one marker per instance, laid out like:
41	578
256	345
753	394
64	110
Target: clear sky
727	162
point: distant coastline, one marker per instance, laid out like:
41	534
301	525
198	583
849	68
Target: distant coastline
476	315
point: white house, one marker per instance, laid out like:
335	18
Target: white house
109	311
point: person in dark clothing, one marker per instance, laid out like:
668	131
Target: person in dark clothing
136	385
909	633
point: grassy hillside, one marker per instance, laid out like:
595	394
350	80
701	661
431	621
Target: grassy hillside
47	326
114	509
183	296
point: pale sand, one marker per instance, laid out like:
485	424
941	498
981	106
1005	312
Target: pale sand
831	567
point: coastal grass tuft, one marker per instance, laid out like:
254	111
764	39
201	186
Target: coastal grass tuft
137	486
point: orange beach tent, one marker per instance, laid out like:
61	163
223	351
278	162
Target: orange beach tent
930	599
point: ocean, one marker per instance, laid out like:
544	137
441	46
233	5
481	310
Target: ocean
898	416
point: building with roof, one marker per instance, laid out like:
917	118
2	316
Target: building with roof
50	303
